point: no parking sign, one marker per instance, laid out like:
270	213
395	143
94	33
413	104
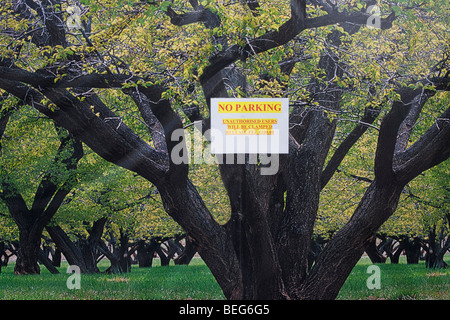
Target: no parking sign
251	125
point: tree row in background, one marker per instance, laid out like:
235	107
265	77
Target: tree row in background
105	212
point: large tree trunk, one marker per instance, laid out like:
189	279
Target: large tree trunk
2	252
120	257
395	256
343	251
43	258
163	257
412	251
30	231
435	252
83	253
182	201
146	252
71	252
56	257
372	251
187	254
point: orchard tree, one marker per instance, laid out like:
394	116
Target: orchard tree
34	170
421	215
101	215
431	195
164	61
112	213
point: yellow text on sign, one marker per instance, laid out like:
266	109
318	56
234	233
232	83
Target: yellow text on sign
249	126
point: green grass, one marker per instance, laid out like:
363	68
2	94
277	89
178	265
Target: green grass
195	281
161	283
398	282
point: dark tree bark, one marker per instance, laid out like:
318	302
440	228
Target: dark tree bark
437	247
146	252
163	257
372	251
4	257
28	254
43	258
120	257
187	254
82	253
174	248
2	251
56	257
376	206
346	247
395	250
412	250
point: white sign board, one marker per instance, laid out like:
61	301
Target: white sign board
250	125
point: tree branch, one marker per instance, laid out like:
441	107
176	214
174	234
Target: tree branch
4	118
15	203
82	81
9	194
154	126
431	149
253	5
116	144
69	153
336	17
369	117
407	125
285	33
200	14
387	138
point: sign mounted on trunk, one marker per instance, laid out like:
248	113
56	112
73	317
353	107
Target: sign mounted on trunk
251	125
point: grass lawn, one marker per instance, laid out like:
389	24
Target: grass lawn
195	281
398	282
